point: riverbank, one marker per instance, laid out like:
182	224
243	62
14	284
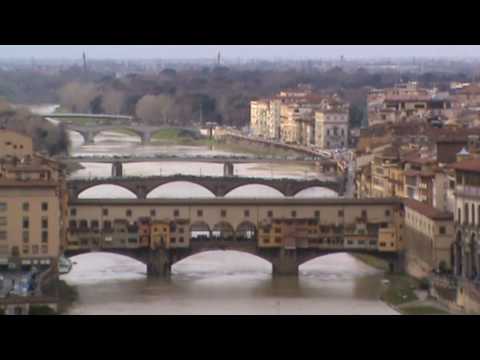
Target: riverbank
404	293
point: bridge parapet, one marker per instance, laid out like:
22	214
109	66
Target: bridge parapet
218	186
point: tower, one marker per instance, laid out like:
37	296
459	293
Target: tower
84	63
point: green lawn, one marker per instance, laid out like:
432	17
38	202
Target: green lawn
372	261
400	290
423	310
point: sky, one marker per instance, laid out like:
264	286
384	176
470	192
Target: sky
237	51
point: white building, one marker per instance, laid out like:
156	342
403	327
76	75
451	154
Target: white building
331	129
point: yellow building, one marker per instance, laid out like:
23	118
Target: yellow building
33	204
160	234
15	144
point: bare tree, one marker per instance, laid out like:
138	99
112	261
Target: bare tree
113	101
78	97
155	109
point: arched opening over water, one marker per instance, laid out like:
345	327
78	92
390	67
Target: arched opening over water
180	189
120	134
316	192
341	265
107	191
254	191
222	262
95	267
76	138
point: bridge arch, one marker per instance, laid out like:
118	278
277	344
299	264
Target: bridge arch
181	189
98	190
234	260
269	191
77	135
106	264
316	192
122	130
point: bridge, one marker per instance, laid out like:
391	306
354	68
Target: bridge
145	132
218	186
328	167
284	232
88	116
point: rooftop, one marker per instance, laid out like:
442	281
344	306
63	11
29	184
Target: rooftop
427	210
467	165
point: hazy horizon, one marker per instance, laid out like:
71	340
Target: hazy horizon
241	52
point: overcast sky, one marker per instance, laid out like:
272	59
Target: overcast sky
237	51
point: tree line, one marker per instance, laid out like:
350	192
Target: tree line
47	138
189	96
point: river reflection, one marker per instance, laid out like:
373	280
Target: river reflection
225	283
220	282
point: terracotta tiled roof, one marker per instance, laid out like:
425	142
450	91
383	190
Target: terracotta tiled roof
427	210
467	165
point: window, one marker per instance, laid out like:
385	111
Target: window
35	249
473	214
173	240
73	212
442	230
364	213
44	236
270	213
25	249
182	239
26	223
44	206
387	212
278	230
153	213
3	221
176	213
72	224
44	249
340	213
294	214
181	230
94	224
44	223
246	213
107	225
3	235
317	214
129	213
26	206
278	240
199	213
223	213
105	212
266	240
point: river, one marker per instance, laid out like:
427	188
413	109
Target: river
217	282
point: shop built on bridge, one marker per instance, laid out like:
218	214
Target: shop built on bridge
286	232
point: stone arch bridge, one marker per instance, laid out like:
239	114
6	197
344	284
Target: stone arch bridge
284	262
145	132
218	186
